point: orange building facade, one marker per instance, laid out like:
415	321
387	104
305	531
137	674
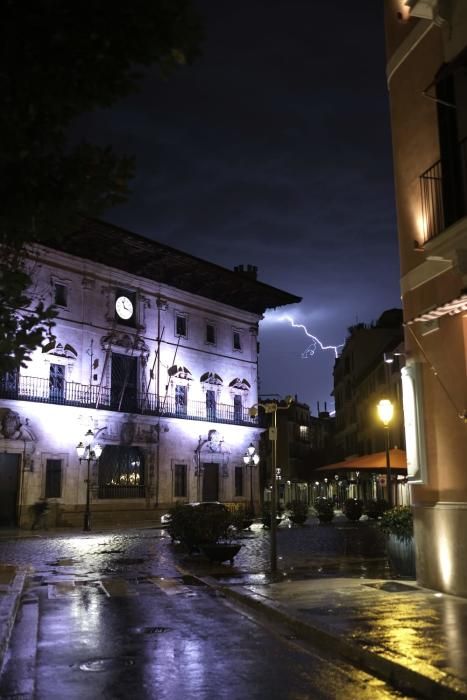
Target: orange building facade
426	44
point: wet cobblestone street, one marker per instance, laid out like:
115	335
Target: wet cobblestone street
341	548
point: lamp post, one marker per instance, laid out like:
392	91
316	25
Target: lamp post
87	452
385	412
251	459
272	407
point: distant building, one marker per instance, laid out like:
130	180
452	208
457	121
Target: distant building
304	442
154	357
426	44
361	378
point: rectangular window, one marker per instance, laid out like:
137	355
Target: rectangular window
9	383
210	334
238	481
238	408
237	341
57	382
180	490
211	404
60	294
304	432
53	478
180	325
180	400
124	383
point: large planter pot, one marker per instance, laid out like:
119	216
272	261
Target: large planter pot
220	551
267	521
401	555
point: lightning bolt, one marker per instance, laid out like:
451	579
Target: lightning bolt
311	349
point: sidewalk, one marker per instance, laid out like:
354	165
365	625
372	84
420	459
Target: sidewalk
414	638
12	580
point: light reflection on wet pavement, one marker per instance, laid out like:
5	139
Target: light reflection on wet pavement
119	620
309	551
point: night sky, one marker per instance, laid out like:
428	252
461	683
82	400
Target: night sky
274	150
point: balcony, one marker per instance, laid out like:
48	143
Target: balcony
83	395
444	192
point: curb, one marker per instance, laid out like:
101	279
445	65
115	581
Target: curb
398	675
9	604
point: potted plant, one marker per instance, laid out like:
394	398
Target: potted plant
324	509
208	528
397	524
298	511
266	514
353	509
243	518
375	509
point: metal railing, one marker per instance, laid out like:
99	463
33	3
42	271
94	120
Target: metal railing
444	193
40	390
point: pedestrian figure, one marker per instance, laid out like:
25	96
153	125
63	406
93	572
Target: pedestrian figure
41	510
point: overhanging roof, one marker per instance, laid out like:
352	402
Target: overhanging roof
377	460
451	308
113	246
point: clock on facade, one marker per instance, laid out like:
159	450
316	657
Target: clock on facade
124	307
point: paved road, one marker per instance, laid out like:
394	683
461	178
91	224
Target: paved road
110	616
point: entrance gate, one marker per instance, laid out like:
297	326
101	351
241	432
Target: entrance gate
210	481
9	484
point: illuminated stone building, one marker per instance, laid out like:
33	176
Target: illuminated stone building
427	80
155	353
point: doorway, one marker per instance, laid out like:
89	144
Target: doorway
9	484
124	383
210	481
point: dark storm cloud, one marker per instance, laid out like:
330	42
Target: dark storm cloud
274	150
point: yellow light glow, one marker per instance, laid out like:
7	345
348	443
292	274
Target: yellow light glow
385	410
445	559
403	11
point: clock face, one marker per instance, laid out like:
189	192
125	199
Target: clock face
124	307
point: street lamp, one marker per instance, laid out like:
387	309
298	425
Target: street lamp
251	459
385	412
87	452
272	407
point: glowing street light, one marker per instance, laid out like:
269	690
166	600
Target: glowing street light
385	410
88	452
251	459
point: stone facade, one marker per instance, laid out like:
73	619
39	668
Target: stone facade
164	389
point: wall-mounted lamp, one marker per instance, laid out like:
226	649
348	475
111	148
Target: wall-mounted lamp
389	356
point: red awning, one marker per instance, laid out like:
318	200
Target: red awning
377	460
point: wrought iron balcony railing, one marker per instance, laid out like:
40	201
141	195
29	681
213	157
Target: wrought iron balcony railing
65	393
444	192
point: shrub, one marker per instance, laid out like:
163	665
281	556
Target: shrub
375	509
193	526
353	509
398	521
324	508
242	517
298	511
266	513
